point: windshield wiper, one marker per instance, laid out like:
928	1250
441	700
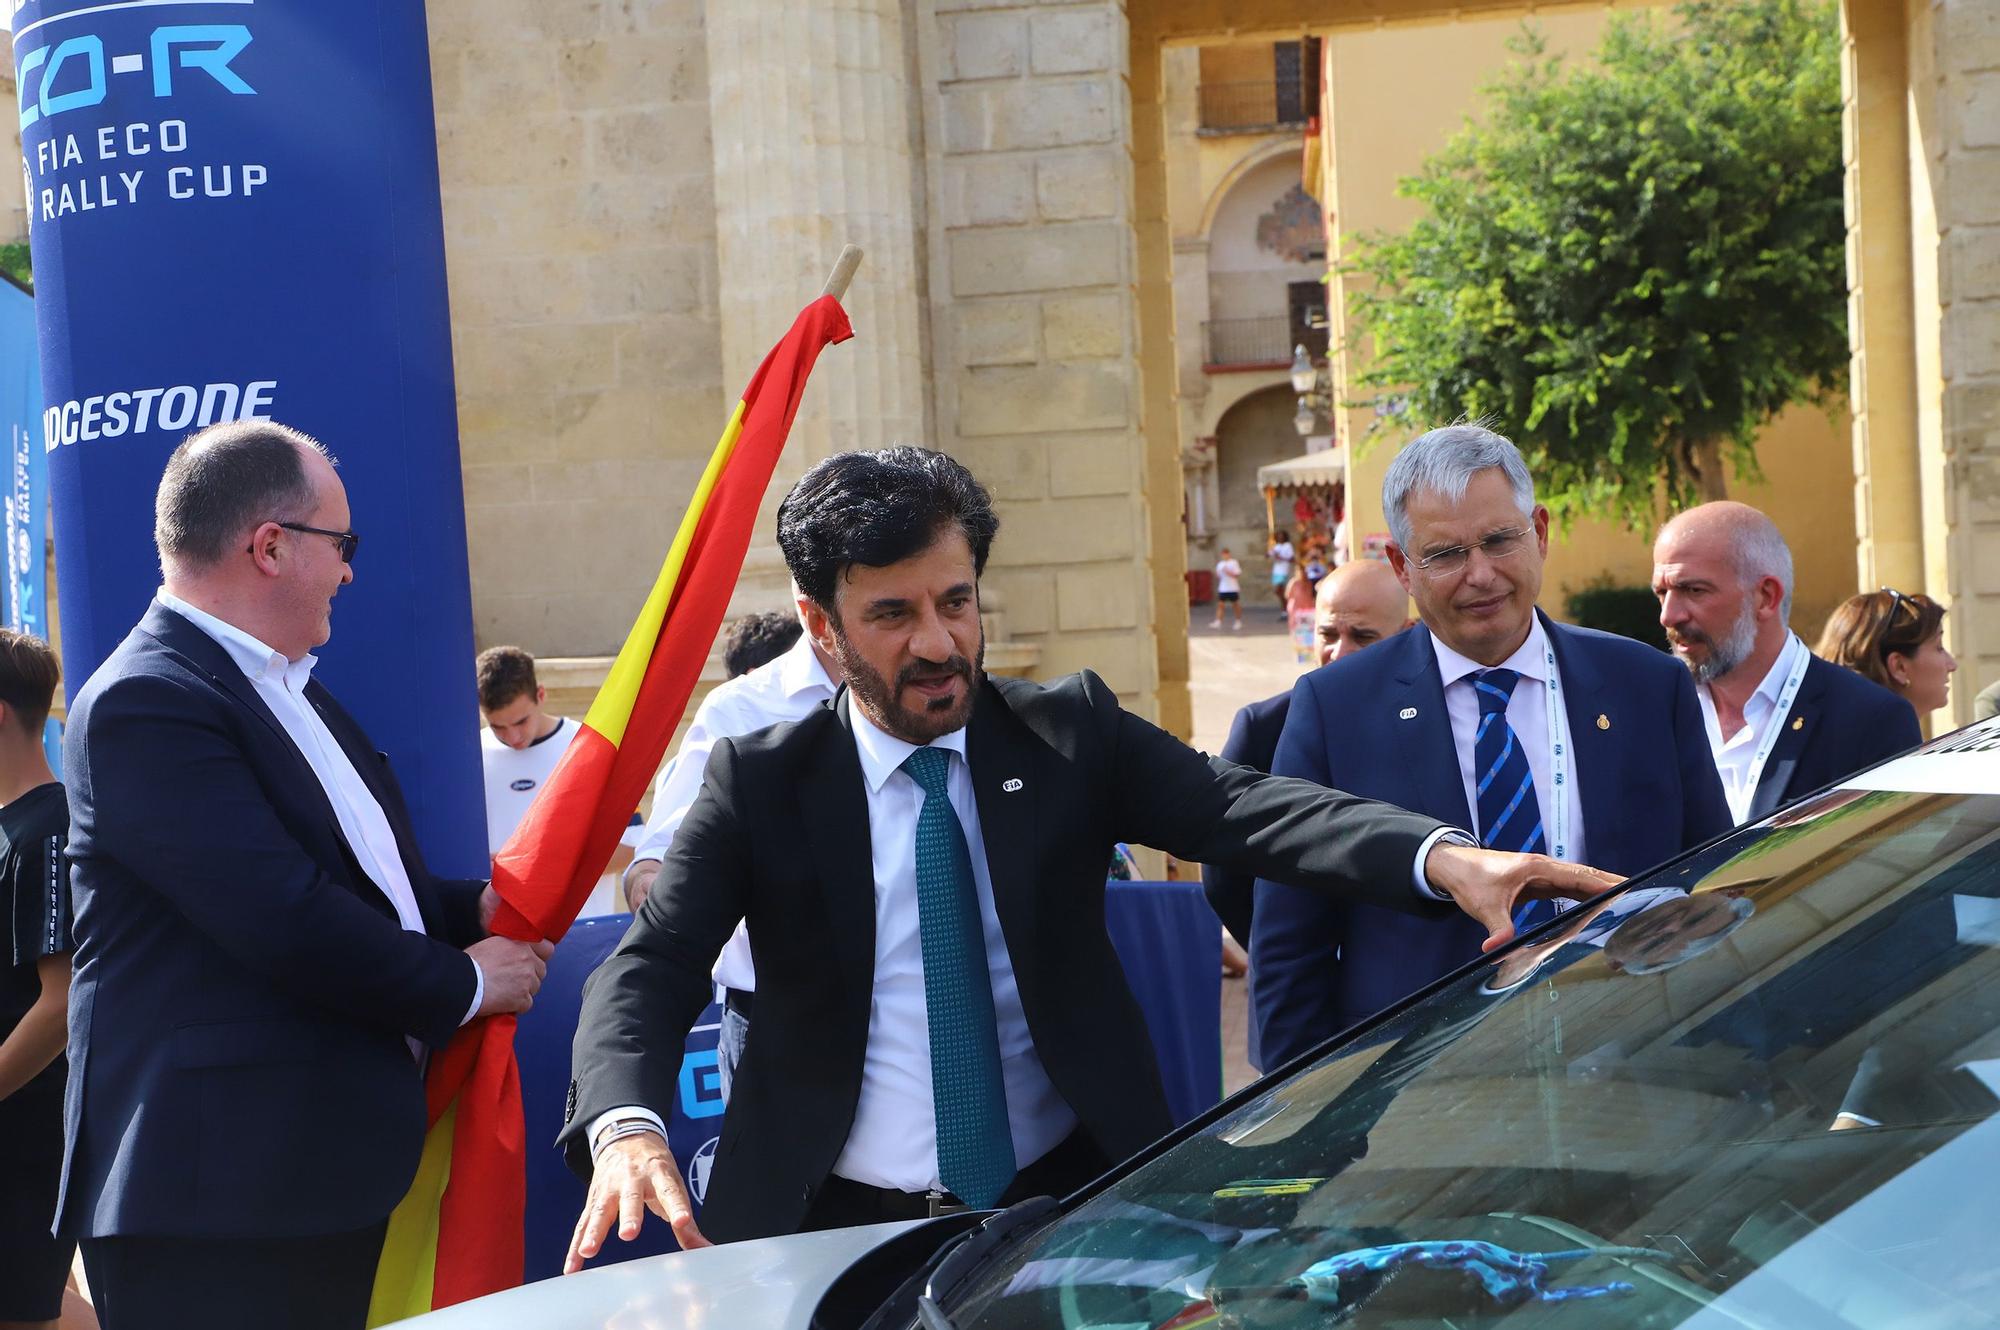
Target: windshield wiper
960	1258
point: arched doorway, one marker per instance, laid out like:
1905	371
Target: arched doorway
1255	432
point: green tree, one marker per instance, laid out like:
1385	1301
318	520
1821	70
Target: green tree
1629	265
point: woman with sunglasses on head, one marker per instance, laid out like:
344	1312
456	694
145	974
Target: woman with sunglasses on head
1896	640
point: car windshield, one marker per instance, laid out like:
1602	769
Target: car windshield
1757	1089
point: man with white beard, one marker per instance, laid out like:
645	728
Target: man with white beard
1781	721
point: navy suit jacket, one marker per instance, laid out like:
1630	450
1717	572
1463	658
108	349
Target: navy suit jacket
1839	723
1253	743
1648	784
242	992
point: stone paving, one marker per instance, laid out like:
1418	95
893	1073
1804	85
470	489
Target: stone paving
1227	668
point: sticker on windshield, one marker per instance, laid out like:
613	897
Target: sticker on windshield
1965	761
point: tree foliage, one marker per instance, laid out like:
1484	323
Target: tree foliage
1629	265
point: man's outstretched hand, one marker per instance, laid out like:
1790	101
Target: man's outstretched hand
633	1175
1488	884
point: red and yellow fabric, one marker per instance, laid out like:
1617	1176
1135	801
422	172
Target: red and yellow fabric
458	1234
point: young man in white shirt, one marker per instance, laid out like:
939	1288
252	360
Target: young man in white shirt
795	684
1228	587
519	750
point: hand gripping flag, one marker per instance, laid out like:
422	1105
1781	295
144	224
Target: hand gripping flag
458	1234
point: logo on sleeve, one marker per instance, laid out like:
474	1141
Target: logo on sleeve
521	786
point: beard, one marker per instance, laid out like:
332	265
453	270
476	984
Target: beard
878	698
1723	656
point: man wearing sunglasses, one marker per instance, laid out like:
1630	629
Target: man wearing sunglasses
1490	716
263	961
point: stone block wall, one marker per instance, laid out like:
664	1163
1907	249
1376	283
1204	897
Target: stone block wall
1033	319
576	168
1957	91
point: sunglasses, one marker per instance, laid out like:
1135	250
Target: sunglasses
1897	601
348	541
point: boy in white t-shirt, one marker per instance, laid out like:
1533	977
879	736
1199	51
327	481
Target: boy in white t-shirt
519	749
1228	587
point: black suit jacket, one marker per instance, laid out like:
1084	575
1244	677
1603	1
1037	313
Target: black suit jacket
242	990
779	835
1840	723
1252	742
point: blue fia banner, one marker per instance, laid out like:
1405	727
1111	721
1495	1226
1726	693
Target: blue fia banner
26	507
233	207
26	504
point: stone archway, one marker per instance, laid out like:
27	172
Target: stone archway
1255	432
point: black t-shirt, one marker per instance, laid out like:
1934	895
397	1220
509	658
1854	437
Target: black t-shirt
34	883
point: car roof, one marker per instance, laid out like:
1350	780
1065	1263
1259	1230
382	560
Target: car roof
1966	761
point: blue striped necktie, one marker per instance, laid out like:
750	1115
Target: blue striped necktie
1510	816
975	1149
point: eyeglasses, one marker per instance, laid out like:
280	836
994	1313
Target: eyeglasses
348	541
1445	562
1897	600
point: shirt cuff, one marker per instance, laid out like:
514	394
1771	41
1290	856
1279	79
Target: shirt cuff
1450	836
478	991
628	1113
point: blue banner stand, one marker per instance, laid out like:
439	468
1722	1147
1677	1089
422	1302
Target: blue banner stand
233	209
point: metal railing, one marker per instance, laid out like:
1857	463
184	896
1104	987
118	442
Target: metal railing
1265	104
1264	341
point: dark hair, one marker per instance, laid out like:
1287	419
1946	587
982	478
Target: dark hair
1863	631
759	639
28	678
226	479
875	509
505	673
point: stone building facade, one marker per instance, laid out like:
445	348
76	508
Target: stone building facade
639	196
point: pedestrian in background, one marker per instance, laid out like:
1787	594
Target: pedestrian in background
1228	588
34	988
790	686
1282	556
1896	640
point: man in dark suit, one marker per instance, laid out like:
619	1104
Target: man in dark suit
1573	743
1780	721
941	1019
1355	606
261	956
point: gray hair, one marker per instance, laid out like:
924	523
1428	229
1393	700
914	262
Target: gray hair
1443	462
224	481
1760	551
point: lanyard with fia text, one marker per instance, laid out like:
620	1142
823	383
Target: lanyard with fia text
1768	741
1555	816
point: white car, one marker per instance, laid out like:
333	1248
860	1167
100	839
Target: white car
1756	1087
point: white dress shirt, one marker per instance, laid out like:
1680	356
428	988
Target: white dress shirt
786	689
1527	712
1735	755
893	1142
281	683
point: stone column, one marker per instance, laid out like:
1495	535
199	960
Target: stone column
817	145
1954	50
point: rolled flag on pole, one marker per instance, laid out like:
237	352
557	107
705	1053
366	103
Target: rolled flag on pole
458	1234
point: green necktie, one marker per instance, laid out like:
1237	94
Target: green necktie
975	1150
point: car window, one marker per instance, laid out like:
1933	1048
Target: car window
1755	1090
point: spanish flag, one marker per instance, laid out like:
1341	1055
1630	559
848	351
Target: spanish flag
458	1234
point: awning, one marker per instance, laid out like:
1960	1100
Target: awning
1320	470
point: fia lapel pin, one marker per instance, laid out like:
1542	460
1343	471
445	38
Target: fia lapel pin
1603	721
1798	722
1408	713
1011	784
